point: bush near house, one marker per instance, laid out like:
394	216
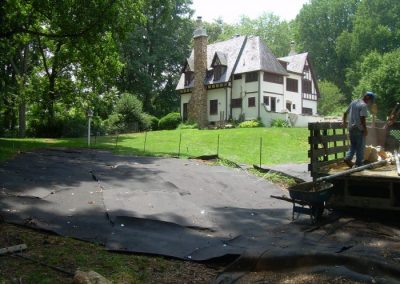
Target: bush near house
250	124
128	116
280	123
170	121
153	122
188	126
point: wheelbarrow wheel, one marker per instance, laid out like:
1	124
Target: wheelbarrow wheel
317	209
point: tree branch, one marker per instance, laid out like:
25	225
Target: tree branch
43	57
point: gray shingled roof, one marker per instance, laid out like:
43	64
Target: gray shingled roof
222	57
230	48
257	56
296	62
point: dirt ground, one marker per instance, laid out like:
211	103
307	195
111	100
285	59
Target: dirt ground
69	255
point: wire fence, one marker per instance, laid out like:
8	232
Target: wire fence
254	148
249	150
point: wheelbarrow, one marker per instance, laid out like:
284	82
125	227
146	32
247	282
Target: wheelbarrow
310	197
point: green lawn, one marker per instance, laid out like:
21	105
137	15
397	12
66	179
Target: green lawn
241	145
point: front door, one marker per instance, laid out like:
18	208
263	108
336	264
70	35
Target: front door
273	104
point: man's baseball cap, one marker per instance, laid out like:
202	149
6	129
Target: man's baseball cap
370	95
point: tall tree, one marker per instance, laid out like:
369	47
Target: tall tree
319	24
332	100
76	44
155	49
380	73
275	32
376	27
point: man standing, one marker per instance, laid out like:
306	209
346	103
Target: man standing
357	113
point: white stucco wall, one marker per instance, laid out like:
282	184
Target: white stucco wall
237	89
185	98
216	94
310	104
294	97
250	112
271	90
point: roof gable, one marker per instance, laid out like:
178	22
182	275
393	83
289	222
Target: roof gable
219	59
257	56
240	54
296	62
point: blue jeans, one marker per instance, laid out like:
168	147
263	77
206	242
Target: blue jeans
357	145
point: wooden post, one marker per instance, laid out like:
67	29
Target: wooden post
180	141
260	150
218	147
116	141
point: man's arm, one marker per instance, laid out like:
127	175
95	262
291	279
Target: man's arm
364	125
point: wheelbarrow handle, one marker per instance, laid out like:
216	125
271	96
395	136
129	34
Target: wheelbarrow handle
353	170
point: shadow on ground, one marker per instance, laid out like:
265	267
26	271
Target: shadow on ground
183	209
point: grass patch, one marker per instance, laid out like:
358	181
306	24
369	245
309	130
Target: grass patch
274	177
70	254
240	145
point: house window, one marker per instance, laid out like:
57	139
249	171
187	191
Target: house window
306	86
283	63
293	106
266	100
292	85
209	74
237	77
251	102
252	77
307	111
218	72
185	112
235	103
213	107
189	76
273	78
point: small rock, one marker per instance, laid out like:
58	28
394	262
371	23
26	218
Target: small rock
90	277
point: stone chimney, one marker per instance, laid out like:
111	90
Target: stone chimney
197	108
292	48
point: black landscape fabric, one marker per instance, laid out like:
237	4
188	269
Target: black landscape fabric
185	209
180	208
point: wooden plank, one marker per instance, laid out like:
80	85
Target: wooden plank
324	152
334	142
325	125
12	249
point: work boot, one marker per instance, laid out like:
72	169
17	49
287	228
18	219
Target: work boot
349	163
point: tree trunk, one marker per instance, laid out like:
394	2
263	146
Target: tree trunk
51	98
22	119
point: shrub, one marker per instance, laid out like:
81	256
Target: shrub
170	121
280	123
131	114
45	128
187	125
250	124
151	120
113	123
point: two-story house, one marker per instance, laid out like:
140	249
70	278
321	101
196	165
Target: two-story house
240	79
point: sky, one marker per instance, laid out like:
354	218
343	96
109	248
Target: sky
231	10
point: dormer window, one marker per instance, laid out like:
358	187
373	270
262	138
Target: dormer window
187	70
219	64
189	76
219	70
